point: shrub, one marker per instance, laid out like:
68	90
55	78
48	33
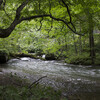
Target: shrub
83	59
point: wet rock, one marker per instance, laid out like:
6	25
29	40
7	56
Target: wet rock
50	57
25	59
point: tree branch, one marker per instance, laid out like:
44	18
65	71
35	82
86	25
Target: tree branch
6	32
58	19
19	9
69	14
50	27
40	24
36	81
67	10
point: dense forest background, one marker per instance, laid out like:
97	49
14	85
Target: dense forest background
63	29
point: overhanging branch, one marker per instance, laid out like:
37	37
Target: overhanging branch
67	10
6	32
57	19
69	14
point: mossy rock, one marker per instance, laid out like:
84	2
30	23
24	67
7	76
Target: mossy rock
4	55
50	57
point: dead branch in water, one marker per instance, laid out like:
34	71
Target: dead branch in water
36	82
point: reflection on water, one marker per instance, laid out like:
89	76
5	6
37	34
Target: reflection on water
71	79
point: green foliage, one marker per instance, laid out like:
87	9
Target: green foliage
97	60
9	45
83	59
16	88
47	36
24	93
4	51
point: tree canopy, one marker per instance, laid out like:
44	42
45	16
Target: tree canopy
18	11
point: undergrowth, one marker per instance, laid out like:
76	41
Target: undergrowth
83	59
19	90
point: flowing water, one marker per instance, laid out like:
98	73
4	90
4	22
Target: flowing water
73	80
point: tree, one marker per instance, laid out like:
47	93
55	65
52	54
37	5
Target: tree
52	16
89	11
39	11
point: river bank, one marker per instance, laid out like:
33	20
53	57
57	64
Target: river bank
76	60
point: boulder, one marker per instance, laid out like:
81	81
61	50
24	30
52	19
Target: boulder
3	56
50	57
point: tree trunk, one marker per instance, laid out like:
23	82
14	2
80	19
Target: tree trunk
80	44
91	39
75	45
66	46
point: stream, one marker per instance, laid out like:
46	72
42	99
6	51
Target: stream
72	80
